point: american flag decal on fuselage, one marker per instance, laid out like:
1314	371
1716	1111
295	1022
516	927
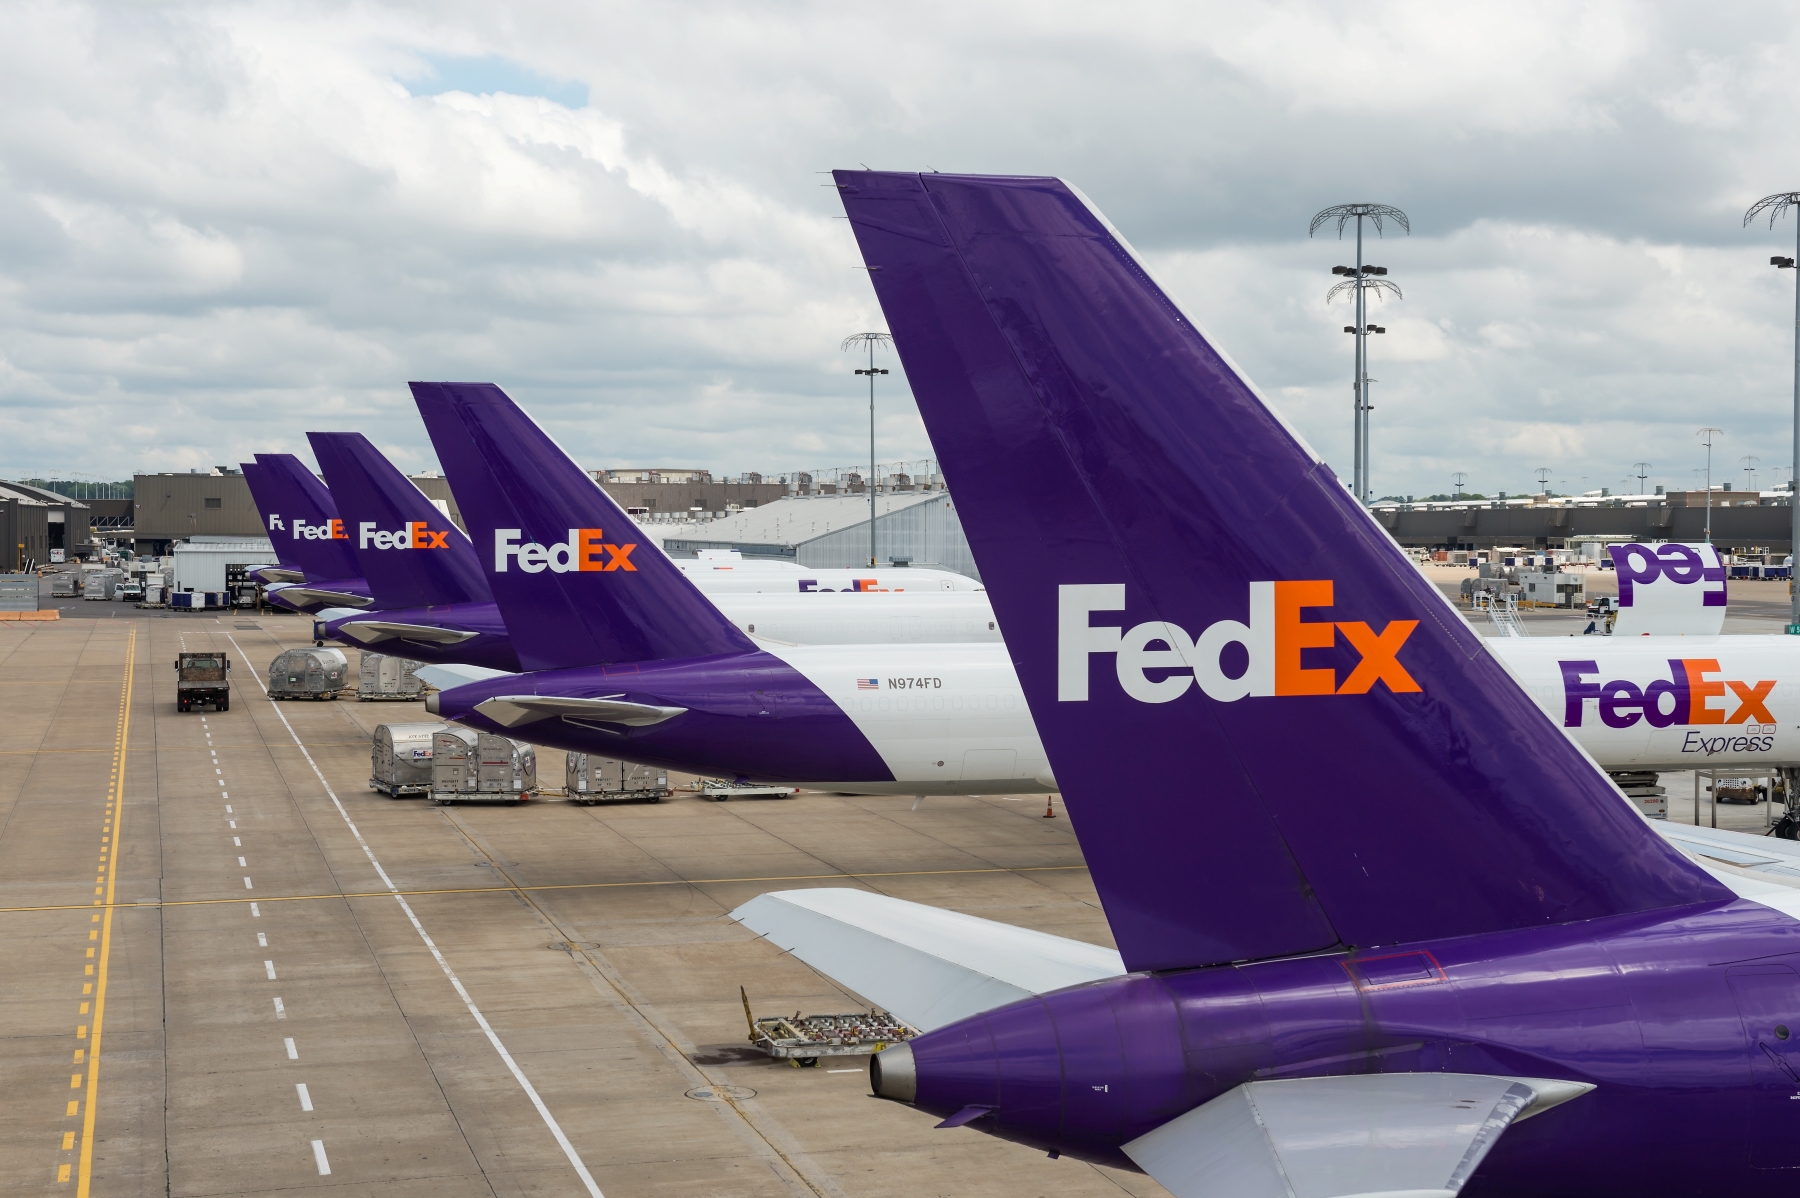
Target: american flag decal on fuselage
868	684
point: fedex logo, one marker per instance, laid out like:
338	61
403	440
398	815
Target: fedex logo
1273	642
331	530
1683	565
416	535
275	521
1685	697
585	550
809	586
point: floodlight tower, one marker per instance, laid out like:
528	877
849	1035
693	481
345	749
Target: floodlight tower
1543	477
1361	279
1706	436
1749	462
1643	472
870	340
1457	480
1775	205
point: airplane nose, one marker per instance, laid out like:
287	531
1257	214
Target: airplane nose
891	1073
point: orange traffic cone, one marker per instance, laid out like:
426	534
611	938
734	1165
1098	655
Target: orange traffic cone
1049	811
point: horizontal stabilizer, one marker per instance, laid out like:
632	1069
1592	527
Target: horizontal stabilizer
371	632
278	574
300	593
447	677
927	966
510	711
1417	1134
1758	854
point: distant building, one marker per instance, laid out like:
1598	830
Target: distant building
918	528
35	521
172	507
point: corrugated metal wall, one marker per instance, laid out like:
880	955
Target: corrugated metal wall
928	534
168	506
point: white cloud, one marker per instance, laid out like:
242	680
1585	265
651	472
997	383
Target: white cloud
224	224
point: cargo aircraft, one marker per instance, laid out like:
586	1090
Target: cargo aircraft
305	530
433	603
1448	953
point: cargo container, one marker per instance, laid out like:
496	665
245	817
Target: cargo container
381	677
400	758
594	779
308	674
479	767
100	584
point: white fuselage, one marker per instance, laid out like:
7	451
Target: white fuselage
738	578
947	719
871	618
1667	702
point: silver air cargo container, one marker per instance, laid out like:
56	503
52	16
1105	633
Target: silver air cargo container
479	767
100	584
604	780
381	677
400	759
308	674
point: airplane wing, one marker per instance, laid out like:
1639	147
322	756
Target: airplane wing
370	632
1758	854
1418	1134
927	966
512	710
447	677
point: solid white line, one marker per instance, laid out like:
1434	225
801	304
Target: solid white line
843	1071
270	966
562	1140
305	1098
293	1053
280	1011
319	1146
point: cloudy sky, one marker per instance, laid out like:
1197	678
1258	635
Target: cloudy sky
224	225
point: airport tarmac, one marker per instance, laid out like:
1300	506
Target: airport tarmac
279	980
269	978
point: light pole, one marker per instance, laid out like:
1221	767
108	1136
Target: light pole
1361	279
1543	477
870	340
1775	205
1749	462
1643	472
1457	480
1706	436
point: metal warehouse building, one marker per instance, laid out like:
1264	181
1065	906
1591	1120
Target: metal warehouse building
33	521
917	528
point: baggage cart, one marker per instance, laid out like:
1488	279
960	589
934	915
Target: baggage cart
804	1040
383	678
400	759
592	779
479	767
719	790
308	674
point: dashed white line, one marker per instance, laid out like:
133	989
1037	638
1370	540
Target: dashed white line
228	809
262	940
254	913
231	822
280	1011
305	1098
843	1071
242	863
235	841
270	966
562	1140
247	885
318	1146
293	1053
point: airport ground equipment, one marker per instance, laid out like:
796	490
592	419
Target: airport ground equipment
805	1040
202	679
1644	790
480	767
65	585
308	674
100	584
594	779
400	759
719	790
384	678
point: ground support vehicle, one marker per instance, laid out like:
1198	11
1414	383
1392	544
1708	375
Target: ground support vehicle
400	759
309	674
719	790
804	1040
592	779
201	679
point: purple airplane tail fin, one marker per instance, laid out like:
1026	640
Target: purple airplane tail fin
302	520
562	559
410	552
1274	735
263	496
